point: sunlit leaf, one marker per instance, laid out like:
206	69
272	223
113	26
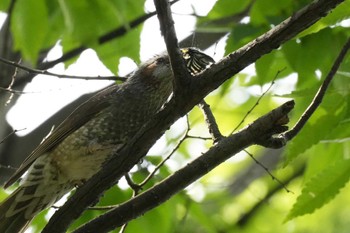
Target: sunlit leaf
241	35
336	16
159	219
269	66
30	28
226	8
317	128
126	46
4	4
322	188
270	12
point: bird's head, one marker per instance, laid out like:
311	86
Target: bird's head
159	69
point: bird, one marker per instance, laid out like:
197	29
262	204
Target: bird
77	149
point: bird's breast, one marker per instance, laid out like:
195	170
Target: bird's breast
81	154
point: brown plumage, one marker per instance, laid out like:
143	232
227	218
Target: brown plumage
78	147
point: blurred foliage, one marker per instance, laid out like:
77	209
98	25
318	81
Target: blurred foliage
41	24
211	204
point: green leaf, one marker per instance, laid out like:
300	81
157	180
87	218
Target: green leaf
241	35
339	134
310	54
4	4
305	56
301	93
125	46
269	12
268	66
55	24
335	16
86	20
322	188
223	8
321	156
83	28
318	127
39	221
205	221
128	10
159	219
30	28
154	159
113	196
222	18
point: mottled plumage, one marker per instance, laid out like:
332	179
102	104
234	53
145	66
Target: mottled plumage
78	147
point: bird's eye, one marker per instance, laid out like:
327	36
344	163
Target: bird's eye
161	60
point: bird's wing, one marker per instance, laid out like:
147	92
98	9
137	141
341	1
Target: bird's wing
74	121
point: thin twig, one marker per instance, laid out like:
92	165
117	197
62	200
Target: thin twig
8	167
199	137
5	138
268	171
181	74
177	181
184	137
17	92
107	207
135	187
136	148
211	122
258	101
13	132
319	95
45	72
10	86
245	217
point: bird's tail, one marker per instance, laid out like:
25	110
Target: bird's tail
12	222
25	202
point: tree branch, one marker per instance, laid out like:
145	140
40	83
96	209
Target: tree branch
264	44
118	32
161	192
268	172
211	122
182	76
319	95
199	39
207	81
179	143
242	179
10	134
45	72
257	102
